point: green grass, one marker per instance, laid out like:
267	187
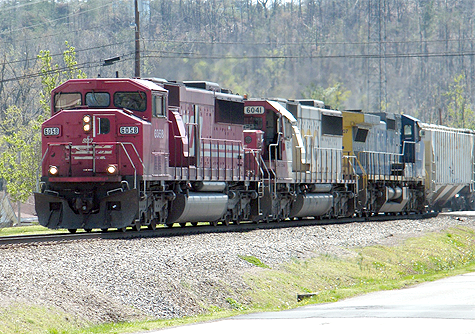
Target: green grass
36	319
30	229
428	258
253	260
373	268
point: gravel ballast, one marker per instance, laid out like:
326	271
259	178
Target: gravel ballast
120	280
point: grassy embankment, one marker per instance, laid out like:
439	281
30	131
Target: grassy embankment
427	258
28	229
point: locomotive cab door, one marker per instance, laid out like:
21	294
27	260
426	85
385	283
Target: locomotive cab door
409	138
159	140
101	147
103	126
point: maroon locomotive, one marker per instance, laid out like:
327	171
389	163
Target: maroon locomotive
135	152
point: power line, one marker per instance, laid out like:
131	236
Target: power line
60	54
351	56
55	20
89	64
5	8
194	56
420	42
57	34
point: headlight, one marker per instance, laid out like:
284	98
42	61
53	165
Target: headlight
86	123
53	170
112	169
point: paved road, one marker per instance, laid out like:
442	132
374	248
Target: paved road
444	306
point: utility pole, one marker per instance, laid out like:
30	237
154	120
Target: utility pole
137	40
376	63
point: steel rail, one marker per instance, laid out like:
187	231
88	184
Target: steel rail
200	229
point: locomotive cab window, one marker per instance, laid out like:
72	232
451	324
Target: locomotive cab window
360	134
229	112
253	123
67	101
287	129
94	99
332	125
136	101
391	124
159	105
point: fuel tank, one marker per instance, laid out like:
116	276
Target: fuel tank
311	205
198	207
208	186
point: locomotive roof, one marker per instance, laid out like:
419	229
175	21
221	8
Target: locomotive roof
98	82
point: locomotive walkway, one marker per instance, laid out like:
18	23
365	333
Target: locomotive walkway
444	306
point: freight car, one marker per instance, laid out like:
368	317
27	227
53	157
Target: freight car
121	153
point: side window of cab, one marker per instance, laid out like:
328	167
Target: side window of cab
159	106
136	101
67	101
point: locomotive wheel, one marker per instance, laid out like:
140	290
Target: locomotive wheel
169	224
194	224
88	230
122	229
104	229
236	222
137	226
72	230
182	224
152	226
226	220
213	223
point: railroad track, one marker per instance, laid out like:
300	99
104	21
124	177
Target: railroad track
200	229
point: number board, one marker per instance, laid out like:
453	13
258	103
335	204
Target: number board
129	130
254	110
51	131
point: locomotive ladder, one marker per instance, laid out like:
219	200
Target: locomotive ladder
265	176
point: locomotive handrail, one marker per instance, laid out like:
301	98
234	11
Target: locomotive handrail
364	174
255	153
131	162
38	169
318	152
350	158
227	143
276	145
266	169
396	158
374	163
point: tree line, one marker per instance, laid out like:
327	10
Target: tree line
404	56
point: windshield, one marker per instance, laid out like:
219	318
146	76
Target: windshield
94	99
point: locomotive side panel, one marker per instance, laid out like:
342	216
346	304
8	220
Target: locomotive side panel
206	134
322	133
